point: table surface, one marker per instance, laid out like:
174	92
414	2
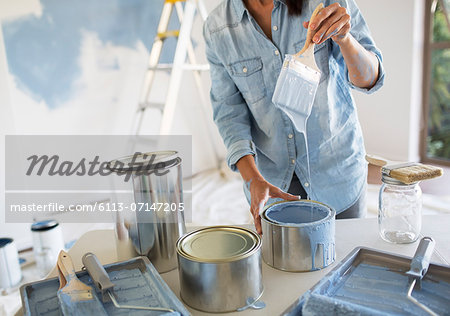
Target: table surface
281	289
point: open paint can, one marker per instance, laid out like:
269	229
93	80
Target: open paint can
220	268
298	235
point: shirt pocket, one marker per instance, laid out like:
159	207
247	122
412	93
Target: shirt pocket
321	56
248	77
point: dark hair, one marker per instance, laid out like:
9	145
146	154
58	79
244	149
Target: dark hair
294	6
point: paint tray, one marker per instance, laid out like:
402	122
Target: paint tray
136	283
369	282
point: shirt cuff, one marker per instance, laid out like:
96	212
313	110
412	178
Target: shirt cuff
239	149
377	85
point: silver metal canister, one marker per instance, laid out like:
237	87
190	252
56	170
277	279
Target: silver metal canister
153	228
220	268
47	243
10	273
298	235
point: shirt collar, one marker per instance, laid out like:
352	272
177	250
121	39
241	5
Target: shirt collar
240	8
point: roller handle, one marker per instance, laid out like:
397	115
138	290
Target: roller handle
97	272
309	33
421	260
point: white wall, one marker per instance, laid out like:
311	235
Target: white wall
390	117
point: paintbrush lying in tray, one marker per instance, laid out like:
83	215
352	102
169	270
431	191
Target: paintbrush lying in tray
75	297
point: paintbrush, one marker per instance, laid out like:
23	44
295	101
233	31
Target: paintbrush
75	297
406	172
298	81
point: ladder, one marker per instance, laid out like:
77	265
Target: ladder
186	17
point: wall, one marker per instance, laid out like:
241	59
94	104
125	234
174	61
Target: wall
390	117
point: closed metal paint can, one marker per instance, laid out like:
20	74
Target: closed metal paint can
298	235
220	268
152	230
47	243
10	273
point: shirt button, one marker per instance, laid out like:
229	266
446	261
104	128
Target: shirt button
275	28
293	161
277	52
244	70
290	135
306	184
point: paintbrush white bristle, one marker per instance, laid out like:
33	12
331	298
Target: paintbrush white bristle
416	172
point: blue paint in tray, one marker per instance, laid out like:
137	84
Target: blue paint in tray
136	283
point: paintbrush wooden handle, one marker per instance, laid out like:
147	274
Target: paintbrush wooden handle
309	33
380	161
61	277
67	269
376	160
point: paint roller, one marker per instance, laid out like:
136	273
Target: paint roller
103	283
317	304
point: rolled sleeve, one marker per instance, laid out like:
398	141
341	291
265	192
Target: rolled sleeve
378	84
230	111
238	150
360	31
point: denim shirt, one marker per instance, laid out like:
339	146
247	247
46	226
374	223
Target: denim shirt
245	65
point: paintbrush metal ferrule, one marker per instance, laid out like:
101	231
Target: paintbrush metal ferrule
388	168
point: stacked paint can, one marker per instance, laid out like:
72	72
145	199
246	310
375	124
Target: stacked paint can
47	243
220	269
298	235
10	273
153	228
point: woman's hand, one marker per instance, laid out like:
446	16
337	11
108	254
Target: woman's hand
331	22
260	192
334	22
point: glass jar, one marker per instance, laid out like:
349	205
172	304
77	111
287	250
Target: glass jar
399	211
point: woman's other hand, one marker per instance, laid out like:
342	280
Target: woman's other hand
331	22
260	192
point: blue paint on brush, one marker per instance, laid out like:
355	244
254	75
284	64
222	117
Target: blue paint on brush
314	219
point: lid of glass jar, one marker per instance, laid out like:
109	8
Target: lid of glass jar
389	180
43	225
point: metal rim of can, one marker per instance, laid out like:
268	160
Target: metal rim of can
172	160
43	226
257	242
267	220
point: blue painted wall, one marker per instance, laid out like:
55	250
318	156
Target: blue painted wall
42	52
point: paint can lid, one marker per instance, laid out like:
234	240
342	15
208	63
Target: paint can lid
218	244
157	160
5	241
44	225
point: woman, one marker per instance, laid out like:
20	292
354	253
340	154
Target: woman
246	41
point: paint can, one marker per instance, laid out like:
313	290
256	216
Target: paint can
220	268
298	235
153	227
47	243
10	273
